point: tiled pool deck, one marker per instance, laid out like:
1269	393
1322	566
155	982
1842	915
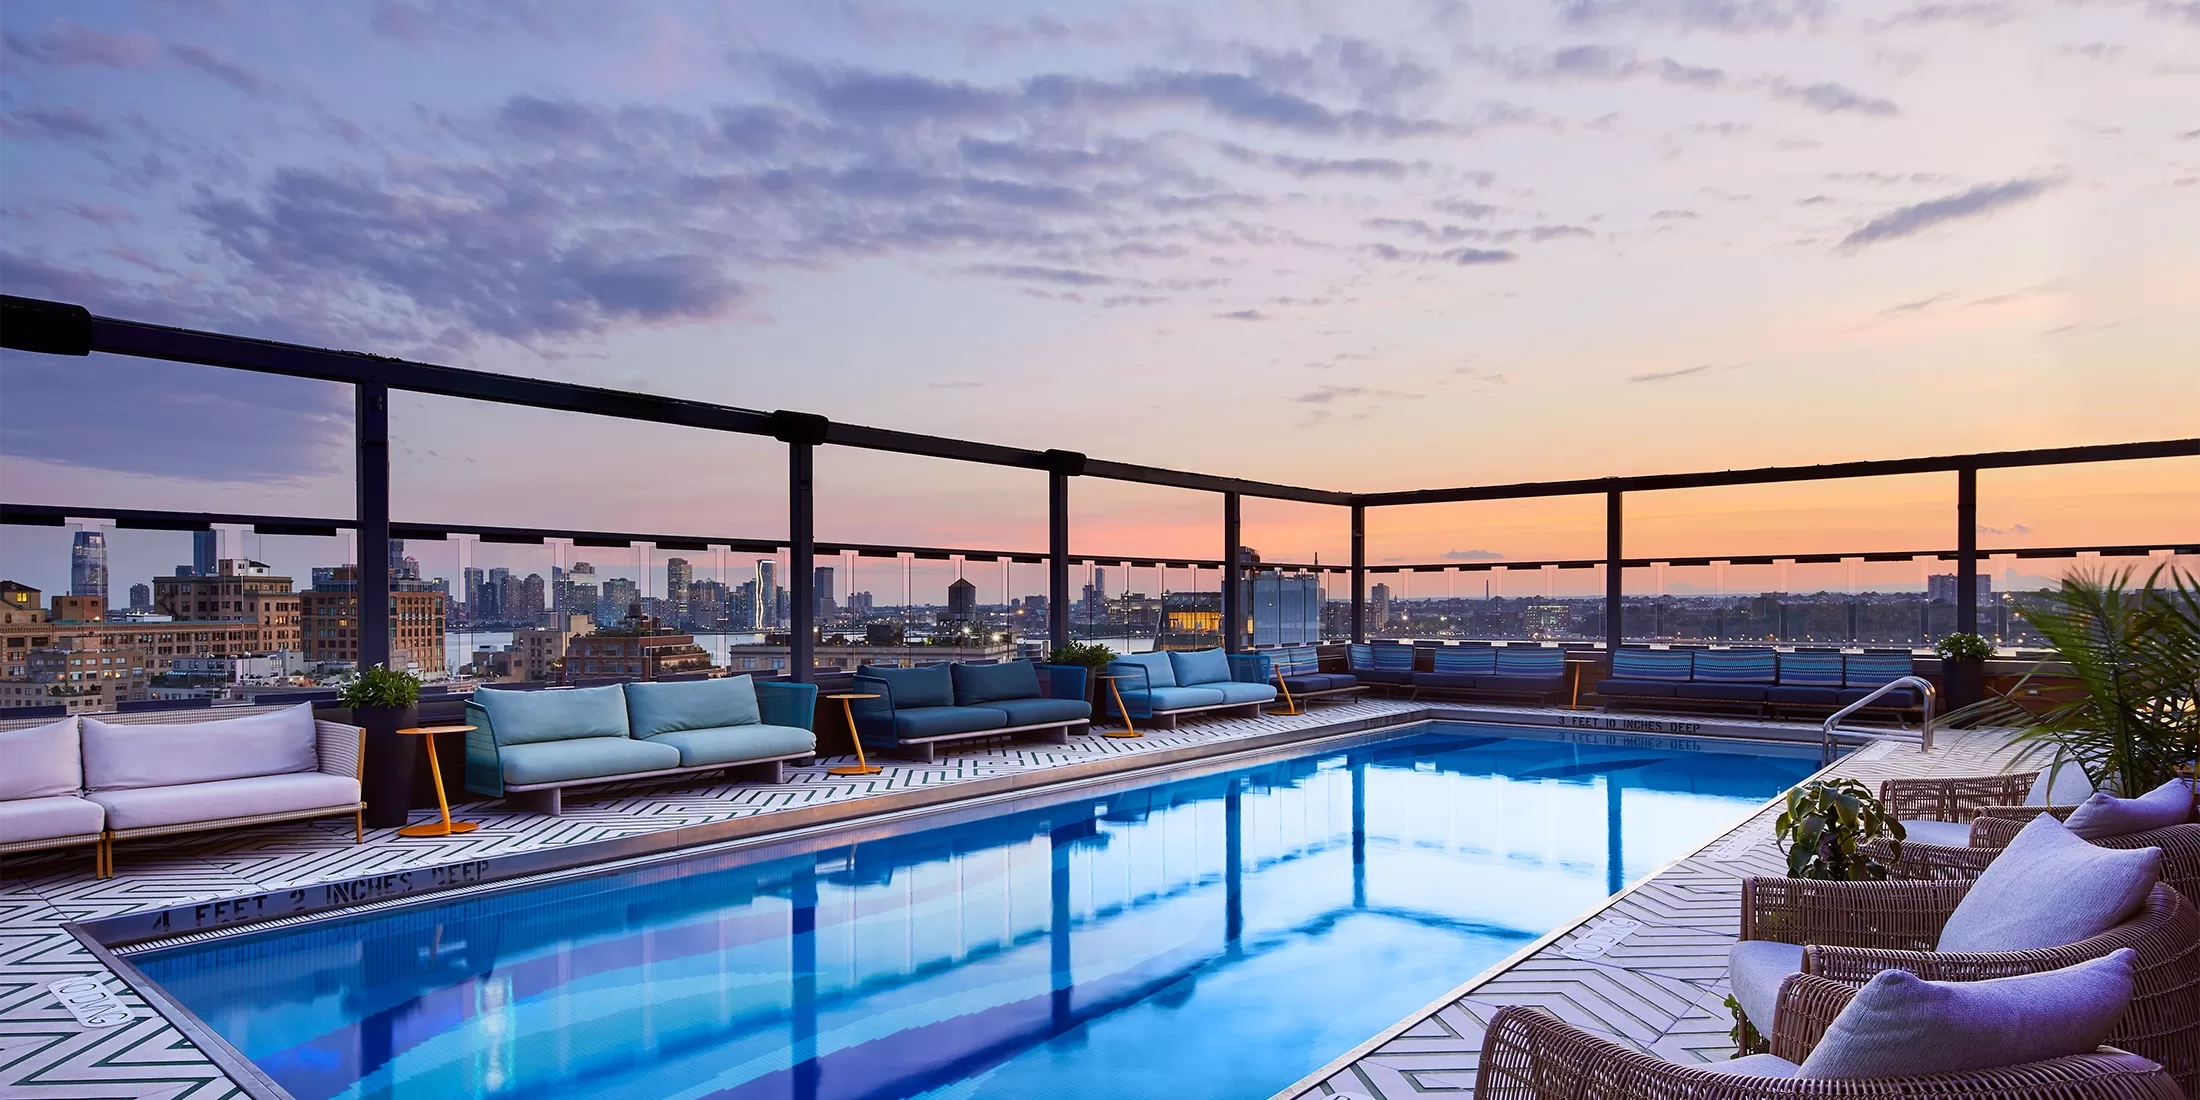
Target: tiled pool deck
1660	987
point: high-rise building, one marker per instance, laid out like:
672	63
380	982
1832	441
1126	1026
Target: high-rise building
330	613
402	567
1942	587
141	597
1280	608
248	610
619	595
206	549
469	585
822	585
580	590
88	565
496	593
678	576
767	594
1378	607
962	601
531	603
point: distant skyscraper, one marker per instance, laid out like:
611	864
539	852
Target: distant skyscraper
962	601
823	585
206	549
531	597
469	586
678	576
1942	586
767	594
401	567
88	565
141	597
1378	607
1100	583
619	597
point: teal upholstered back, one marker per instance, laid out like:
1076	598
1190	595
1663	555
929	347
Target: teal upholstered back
654	708
1200	666
524	717
1159	672
1463	658
977	685
915	687
1736	666
1518	660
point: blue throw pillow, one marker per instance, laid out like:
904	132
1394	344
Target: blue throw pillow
654	708
1200	666
1159	672
915	687
976	685
560	714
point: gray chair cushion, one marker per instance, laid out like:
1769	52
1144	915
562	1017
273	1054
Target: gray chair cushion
1031	712
1755	969
583	758
2060	783
920	722
1235	692
42	761
1754	1065
148	807
1948	834
734	744
46	818
166	754
2050	888
2105	815
1900	1025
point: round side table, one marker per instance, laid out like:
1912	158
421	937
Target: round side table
445	827
847	705
1128	730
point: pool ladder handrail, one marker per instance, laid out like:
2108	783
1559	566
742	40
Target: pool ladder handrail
1922	736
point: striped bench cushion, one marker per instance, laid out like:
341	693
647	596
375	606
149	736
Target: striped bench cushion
1531	661
1652	664
1736	666
1295	660
1874	669
1810	670
1386	656
1464	658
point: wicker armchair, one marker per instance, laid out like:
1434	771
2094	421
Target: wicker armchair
1994	826
1850	931
1529	1054
1957	799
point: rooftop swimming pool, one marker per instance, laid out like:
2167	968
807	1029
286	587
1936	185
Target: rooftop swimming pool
1217	934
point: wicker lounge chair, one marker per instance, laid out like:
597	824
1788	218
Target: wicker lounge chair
1850	931
1529	1054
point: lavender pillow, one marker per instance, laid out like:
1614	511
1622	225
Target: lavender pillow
2050	888
2105	815
1900	1025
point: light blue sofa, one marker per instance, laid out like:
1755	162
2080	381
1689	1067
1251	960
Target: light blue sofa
1159	688
536	743
918	709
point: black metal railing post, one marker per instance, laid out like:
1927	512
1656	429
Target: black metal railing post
1615	571
802	432
371	443
1966	550
1359	572
1233	603
1061	466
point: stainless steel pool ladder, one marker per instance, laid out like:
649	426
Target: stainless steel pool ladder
1922	736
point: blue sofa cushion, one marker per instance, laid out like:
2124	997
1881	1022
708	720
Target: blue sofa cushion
1531	661
1670	665
1900	698
1463	658
1874	669
1740	693
1635	689
734	744
1032	712
915	687
977	685
1160	672
1388	656
652	709
1200	667
1736	666
1384	675
1443	679
590	757
1172	698
1235	692
1319	681
527	717
917	722
1802	696
1810	670
1520	685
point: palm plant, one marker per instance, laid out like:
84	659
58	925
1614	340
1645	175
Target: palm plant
2136	657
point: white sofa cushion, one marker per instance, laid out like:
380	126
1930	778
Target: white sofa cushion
41	761
2061	783
2050	888
164	754
1900	1025
2105	815
1947	834
147	807
1755	969
46	818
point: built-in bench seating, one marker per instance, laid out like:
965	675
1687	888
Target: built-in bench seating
1297	671
528	746
1387	663
1762	681
1511	671
919	709
1160	688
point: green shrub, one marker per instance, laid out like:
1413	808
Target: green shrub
381	687
1964	647
1824	829
1092	655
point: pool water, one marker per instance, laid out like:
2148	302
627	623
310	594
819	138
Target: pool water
1217	936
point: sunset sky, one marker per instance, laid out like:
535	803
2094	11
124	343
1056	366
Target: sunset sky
1357	246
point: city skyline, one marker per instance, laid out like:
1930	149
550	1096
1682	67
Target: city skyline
1376	232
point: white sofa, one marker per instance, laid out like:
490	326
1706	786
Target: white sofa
160	778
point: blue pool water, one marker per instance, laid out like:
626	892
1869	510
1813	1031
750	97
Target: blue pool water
1217	936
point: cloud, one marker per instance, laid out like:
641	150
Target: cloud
1329	395
1472	555
954	385
1719	15
1978	201
2012	529
1314	167
64	124
1033	273
1675	216
222	69
1977	13
71	46
1243	315
1474	256
1656	376
1832	98
1916	306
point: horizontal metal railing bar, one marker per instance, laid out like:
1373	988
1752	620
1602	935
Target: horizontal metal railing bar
148	341
2126	550
1765	475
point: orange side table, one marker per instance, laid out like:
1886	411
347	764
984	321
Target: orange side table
445	827
847	710
1128	730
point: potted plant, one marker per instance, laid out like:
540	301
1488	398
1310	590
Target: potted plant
1963	667
1823	829
383	701
1084	660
